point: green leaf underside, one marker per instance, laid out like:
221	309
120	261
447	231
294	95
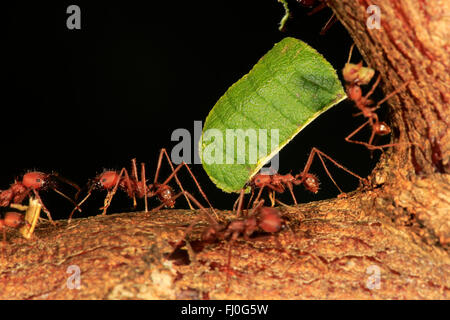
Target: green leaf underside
289	87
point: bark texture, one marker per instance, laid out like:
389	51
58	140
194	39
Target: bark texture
396	230
332	249
411	45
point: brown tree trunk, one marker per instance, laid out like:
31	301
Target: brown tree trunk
389	240
412	44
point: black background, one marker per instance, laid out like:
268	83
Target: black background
79	101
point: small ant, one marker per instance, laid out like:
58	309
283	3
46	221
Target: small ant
318	7
277	182
266	219
137	188
32	182
356	75
10	220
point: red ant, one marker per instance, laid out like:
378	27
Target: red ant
266	219
318	7
137	188
278	183
10	220
32	182
356	75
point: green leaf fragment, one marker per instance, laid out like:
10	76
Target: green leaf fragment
289	87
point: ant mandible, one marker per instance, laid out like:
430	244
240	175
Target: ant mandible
32	182
356	75
137	188
277	182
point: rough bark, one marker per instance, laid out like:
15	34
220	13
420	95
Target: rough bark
411	45
330	250
398	225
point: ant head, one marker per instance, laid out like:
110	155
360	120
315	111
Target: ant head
270	219
13	219
165	195
311	183
381	128
36	180
261	179
106	180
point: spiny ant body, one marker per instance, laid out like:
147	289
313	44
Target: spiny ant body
136	187
30	184
266	219
278	182
355	75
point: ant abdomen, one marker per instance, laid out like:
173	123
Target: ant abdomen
270	220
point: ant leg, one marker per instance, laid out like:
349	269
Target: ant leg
259	194
68	198
79	204
174	175
144	186
161	154
350	53
136	179
373	88
240	202
368	145
272	198
112	192
289	185
319	153
390	95
347	138
329	24
320	7
44	208
67	181
188	230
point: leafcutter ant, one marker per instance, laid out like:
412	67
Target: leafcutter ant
32	183
111	181
278	183
259	218
356	75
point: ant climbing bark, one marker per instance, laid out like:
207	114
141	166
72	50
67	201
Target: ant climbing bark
32	183
111	181
356	75
278	183
260	217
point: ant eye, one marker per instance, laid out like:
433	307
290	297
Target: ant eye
38	180
104	180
